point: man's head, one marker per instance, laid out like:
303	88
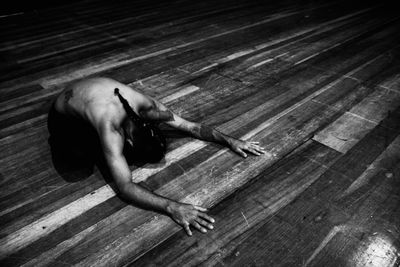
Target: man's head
147	141
142	137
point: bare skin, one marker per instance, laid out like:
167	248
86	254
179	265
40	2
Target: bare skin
93	100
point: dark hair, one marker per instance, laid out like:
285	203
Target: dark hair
149	140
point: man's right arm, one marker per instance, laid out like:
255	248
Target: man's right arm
183	214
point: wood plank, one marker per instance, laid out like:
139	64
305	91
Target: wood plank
256	131
322	60
167	223
355	124
344	132
137	175
123	59
37	23
111	44
122	12
318	214
197	52
381	164
15	116
296	90
207	246
132	68
135	36
288	98
215	63
369	235
239	216
359	157
392	83
249	60
8	194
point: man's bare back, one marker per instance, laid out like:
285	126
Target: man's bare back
94	101
97	102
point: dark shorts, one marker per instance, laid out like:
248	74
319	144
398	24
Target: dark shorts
73	142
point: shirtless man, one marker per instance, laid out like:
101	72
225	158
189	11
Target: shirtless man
120	115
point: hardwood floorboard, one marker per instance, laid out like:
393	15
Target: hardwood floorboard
204	246
316	82
271	240
288	95
239	216
143	35
113	59
107	74
65	51
55	18
343	214
168	190
278	150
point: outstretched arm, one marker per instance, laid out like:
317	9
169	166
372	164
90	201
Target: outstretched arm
184	214
207	133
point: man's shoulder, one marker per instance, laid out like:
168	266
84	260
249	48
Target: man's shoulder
106	120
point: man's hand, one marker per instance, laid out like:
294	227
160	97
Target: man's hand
187	214
239	146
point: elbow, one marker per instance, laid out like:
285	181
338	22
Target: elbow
124	190
130	190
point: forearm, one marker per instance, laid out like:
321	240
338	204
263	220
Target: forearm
142	197
157	115
208	133
132	192
112	143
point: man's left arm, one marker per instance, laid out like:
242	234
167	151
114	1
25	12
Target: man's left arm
207	133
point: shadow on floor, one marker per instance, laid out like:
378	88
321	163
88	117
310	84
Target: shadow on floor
76	149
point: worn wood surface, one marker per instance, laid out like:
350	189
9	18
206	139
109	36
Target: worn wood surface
316	82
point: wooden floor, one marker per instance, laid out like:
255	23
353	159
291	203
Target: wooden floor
316	82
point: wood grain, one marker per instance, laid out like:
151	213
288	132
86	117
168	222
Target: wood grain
316	82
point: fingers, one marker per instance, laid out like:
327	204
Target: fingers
241	152
199	227
205	216
250	146
200	208
254	148
254	151
187	228
260	149
201	215
204	223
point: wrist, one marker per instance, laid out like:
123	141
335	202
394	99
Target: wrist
231	141
170	207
